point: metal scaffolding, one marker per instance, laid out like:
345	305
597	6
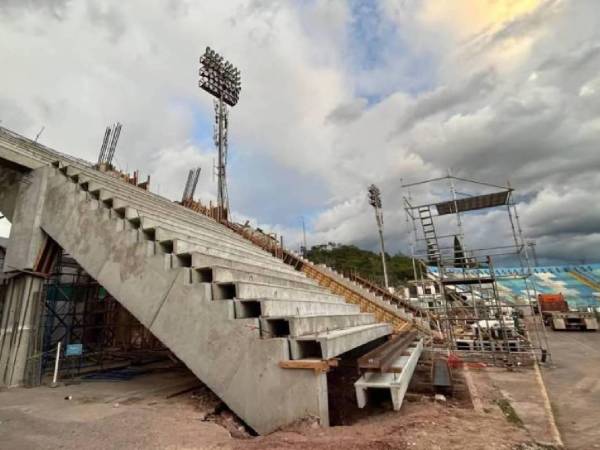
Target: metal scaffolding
80	313
455	276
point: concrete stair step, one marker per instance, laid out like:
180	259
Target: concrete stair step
277	308
188	244
203	259
306	325
333	343
222	274
247	290
164	231
149	201
200	260
149	220
183	253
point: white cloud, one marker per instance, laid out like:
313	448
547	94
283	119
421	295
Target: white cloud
4	228
446	86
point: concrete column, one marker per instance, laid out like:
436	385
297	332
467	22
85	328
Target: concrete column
10	181
19	326
26	236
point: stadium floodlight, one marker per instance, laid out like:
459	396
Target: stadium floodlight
375	202
222	80
374	196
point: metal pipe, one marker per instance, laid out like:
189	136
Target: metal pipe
380	229
55	377
220	170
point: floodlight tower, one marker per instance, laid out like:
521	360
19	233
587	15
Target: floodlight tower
222	80
375	202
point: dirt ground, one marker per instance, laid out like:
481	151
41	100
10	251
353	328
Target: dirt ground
574	387
144	413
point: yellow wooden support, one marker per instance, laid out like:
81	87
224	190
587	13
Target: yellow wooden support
365	305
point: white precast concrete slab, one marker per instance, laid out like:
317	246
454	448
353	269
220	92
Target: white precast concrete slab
196	238
247	290
396	382
203	260
226	274
186	246
300	326
280	308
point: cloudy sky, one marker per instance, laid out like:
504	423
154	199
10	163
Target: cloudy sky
336	95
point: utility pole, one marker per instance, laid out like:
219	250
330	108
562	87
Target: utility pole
303	249
533	252
222	80
375	202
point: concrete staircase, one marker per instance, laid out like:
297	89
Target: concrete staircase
406	317
387	307
229	310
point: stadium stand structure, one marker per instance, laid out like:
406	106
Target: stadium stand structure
235	315
580	284
387	307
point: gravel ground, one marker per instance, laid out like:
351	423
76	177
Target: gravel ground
138	415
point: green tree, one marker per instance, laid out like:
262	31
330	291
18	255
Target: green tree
367	264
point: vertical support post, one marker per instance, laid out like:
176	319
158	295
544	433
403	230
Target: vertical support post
378	216
19	323
304	250
454	198
220	167
55	376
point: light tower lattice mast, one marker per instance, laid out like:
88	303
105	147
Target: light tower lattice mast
222	80
375	202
